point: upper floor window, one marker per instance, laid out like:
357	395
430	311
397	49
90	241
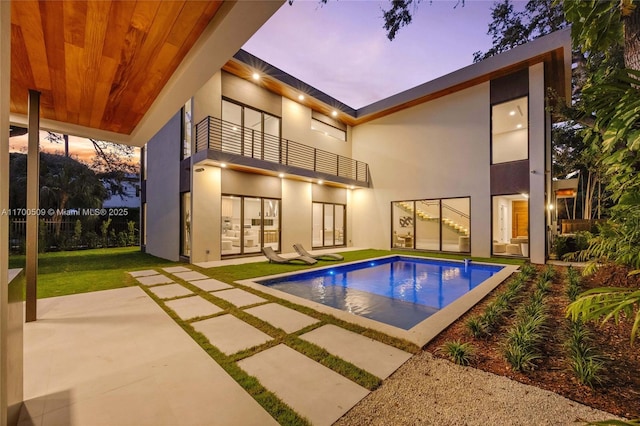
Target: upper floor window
510	131
187	124
328	130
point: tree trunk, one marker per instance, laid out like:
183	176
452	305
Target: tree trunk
632	39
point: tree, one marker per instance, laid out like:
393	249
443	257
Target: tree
509	28
65	183
612	98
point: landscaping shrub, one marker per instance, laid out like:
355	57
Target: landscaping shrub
525	337
585	363
458	352
494	313
573	284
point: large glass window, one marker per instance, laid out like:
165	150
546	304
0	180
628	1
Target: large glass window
511	225
439	225
510	131
249	132
185	227
328	130
187	123
248	224
328	224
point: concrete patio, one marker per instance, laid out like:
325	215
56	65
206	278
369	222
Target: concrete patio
116	358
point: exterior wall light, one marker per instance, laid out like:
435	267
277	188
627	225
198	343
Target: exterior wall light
199	169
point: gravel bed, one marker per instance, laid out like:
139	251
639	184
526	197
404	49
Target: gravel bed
427	390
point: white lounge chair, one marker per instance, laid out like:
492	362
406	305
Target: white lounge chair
327	256
275	258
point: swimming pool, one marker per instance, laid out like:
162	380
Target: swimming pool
399	291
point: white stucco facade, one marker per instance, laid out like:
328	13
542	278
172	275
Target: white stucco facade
434	148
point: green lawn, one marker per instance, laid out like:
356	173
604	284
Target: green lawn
81	271
71	272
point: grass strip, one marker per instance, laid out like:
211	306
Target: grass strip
340	366
279	410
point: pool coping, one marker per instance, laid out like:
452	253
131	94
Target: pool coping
420	334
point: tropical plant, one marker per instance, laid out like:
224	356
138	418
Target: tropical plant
585	363
104	230
607	303
573	283
477	327
458	352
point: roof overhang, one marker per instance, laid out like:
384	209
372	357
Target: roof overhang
230	25
553	49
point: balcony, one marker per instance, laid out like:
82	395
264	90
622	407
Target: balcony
222	141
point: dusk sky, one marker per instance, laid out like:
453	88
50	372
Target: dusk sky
342	49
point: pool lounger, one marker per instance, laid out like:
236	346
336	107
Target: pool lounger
275	258
327	256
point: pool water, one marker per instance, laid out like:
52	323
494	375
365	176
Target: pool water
399	291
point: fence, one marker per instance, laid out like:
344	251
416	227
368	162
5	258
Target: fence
63	235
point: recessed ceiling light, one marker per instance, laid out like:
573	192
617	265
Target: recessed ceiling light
519	126
281	175
334	113
512	113
320	182
223	165
256	76
301	97
352	187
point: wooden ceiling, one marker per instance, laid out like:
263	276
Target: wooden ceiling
100	64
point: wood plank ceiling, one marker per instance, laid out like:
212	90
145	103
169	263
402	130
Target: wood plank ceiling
100	64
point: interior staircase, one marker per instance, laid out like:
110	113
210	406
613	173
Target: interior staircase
422	215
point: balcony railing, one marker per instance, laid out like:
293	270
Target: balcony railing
215	134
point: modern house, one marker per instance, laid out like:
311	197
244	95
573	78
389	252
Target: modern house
259	158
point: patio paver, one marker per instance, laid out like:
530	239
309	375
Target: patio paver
210	285
143	273
193	307
313	390
375	357
239	298
170	290
174	269
150	280
282	317
230	334
190	275
114	357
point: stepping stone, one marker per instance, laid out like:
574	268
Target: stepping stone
170	290
230	334
282	317
193	307
377	358
190	275
311	389
144	273
239	297
173	269
154	280
210	285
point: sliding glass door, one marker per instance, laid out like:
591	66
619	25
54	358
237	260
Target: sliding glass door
328	229
248	224
437	225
